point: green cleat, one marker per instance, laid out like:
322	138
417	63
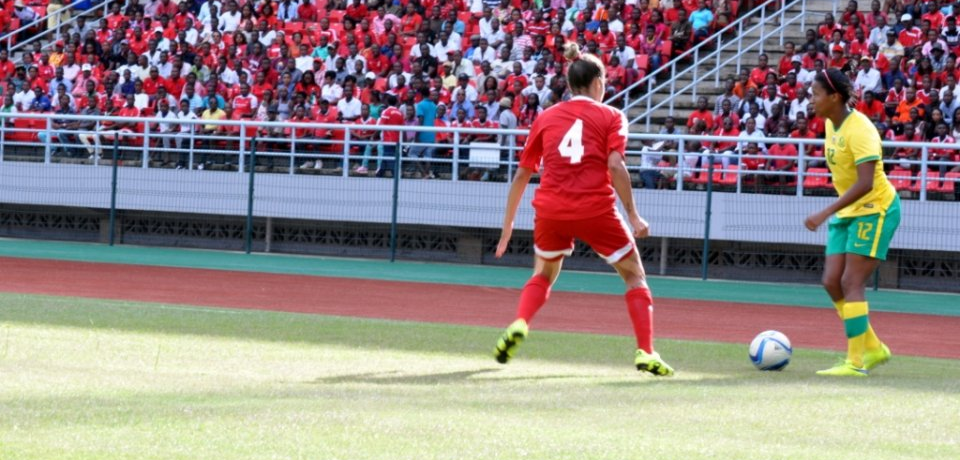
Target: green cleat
844	369
652	363
509	341
875	358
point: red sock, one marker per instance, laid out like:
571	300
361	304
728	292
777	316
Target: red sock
535	293
640	307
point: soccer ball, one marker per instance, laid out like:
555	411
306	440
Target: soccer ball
770	351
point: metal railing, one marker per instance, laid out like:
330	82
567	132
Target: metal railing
9	37
298	149
702	54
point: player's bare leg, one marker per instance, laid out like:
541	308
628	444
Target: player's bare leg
640	307
535	293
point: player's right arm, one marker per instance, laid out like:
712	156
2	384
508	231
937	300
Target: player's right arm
520	181
622	184
529	164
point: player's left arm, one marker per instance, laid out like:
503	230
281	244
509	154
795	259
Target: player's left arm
861	187
620	177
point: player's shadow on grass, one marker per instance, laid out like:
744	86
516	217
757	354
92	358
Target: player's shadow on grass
437	378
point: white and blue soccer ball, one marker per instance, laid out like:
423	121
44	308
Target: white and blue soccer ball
770	351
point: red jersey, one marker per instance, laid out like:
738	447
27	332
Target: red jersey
574	139
705	115
243	105
788	151
391	116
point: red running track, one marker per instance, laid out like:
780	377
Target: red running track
907	334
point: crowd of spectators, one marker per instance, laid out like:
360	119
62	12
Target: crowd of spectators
460	63
902	59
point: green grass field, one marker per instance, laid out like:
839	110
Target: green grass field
115	380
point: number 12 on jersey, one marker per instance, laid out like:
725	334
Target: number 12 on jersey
571	146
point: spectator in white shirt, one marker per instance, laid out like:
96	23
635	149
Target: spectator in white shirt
70	68
751	134
354	57
486	27
539	87
484	52
304	62
349	107
868	78
799	105
209	9
330	91
496	36
230	19
166	127
287	10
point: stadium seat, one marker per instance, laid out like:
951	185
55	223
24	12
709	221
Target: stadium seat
933	182
643	62
950	183
666	50
698	178
816	178
729	175
335	16
23	133
900	178
292	27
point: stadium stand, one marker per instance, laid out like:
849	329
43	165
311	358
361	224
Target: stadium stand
464	63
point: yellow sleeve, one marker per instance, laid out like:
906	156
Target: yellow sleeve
865	142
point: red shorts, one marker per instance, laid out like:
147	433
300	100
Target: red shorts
607	234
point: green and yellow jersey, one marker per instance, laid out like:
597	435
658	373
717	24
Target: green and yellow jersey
857	141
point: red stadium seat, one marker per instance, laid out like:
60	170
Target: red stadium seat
729	175
933	182
666	48
900	178
950	183
816	178
25	135
643	62
698	178
292	27
335	16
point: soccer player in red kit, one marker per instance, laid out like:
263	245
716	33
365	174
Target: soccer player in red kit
581	144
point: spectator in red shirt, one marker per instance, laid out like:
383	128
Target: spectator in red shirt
827	27
306	12
759	73
810	58
726	111
802	131
411	21
357	10
782	159
910	36
906	155
871	107
701	113
786	61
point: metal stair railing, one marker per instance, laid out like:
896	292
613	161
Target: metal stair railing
671	71
9	37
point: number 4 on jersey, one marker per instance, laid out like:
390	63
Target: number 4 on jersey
571	146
